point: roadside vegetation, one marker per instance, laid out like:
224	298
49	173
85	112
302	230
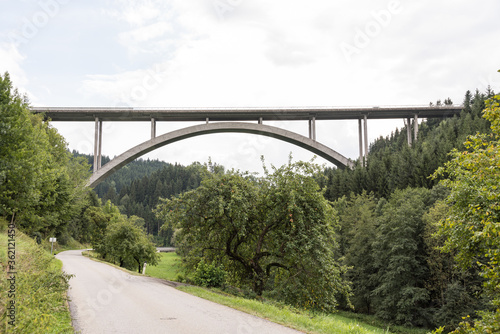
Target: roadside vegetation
40	289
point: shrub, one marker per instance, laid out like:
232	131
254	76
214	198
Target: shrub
209	275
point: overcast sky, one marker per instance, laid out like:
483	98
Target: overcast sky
245	53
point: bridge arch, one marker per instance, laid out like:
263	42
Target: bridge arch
198	130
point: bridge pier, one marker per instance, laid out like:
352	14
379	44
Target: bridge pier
360	131
363	139
415	129
408	131
365	118
312	128
153	128
97	144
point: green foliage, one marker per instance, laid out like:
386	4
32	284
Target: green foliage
209	275
40	290
275	234
454	292
137	187
472	227
129	245
400	258
395	266
41	186
118	238
358	225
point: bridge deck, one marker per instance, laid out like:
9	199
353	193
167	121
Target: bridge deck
82	114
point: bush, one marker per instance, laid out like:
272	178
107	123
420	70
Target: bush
209	275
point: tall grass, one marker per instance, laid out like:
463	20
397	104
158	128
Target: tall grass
40	289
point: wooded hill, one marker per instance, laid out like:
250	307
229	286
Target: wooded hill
137	188
392	164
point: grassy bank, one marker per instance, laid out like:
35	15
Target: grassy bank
170	268
285	315
36	299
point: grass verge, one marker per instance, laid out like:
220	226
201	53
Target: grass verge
38	292
282	314
169	268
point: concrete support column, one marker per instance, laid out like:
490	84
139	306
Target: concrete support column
153	128
260	120
360	131
312	128
415	127
408	130
207	120
97	144
99	160
366	136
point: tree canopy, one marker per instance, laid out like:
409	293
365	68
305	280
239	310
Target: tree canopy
41	185
472	228
274	233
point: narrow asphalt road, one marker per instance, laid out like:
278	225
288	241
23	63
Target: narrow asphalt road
104	299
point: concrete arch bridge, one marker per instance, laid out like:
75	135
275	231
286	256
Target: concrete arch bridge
223	120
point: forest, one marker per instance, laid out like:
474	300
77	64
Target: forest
412	238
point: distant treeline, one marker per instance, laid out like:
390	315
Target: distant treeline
137	187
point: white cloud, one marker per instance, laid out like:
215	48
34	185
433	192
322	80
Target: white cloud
126	88
11	62
145	33
136	13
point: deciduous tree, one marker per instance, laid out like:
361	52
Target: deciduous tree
472	227
276	233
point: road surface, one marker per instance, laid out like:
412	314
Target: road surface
104	299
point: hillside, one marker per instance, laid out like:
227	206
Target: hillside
392	164
123	177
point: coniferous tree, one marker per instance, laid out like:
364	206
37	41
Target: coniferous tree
400	259
358	225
